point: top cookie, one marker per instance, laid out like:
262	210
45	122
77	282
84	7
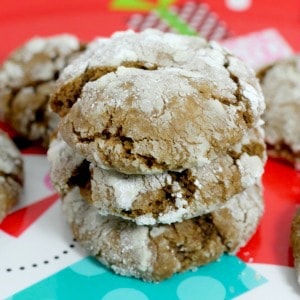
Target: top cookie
144	103
280	83
27	78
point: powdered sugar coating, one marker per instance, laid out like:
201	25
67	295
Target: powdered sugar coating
154	253
27	78
11	174
21	68
281	87
251	168
64	167
150	102
10	158
166	197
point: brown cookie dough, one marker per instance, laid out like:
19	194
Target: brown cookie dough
154	253
280	84
11	174
160	198
145	103
27	78
295	242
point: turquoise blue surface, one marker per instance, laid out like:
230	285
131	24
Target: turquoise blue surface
226	278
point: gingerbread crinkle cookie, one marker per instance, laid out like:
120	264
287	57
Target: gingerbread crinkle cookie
27	79
160	198
11	174
281	87
156	252
150	102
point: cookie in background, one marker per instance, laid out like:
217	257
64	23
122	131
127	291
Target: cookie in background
11	174
27	78
280	84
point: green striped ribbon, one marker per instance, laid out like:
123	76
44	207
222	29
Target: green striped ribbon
175	22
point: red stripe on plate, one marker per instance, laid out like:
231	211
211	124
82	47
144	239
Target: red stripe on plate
17	222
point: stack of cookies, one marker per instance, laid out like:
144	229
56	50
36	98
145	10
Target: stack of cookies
159	152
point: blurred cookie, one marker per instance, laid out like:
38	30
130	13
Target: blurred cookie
27	78
154	253
280	84
295	242
11	174
150	102
160	198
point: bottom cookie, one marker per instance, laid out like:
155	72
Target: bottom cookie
154	253
11	174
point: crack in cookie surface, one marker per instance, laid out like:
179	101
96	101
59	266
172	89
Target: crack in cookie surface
161	198
68	94
98	118
148	81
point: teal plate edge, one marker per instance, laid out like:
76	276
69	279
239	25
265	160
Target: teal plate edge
226	278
